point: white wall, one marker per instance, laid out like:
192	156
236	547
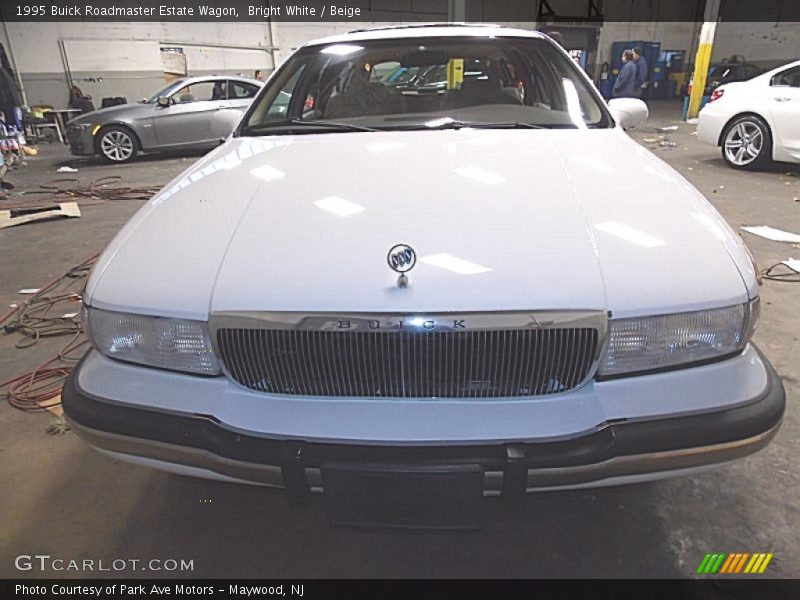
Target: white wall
36	44
126	55
765	44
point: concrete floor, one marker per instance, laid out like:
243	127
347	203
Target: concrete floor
60	498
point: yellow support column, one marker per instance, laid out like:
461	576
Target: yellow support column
703	58
702	61
455	73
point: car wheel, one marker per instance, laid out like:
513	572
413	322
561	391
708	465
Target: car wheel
747	143
117	144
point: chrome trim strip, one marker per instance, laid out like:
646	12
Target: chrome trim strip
417	321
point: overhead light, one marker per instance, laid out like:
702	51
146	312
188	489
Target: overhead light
454	264
629	234
480	175
267	173
439	122
377	147
573	104
339	206
341	49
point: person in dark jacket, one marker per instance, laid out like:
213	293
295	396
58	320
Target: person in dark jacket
625	85
10	98
641	70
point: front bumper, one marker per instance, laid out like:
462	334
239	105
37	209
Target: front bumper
81	141
616	451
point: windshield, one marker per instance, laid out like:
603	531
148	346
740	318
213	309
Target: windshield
166	90
424	83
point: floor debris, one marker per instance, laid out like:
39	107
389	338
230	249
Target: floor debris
771	233
792	263
20	216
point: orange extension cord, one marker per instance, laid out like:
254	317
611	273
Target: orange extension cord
40	389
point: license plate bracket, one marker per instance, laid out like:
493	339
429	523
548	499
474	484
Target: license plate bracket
448	497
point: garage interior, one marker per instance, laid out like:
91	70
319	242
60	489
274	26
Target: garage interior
59	497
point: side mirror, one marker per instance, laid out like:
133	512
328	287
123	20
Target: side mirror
628	112
224	121
163	101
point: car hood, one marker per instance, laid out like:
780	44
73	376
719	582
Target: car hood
103	115
499	219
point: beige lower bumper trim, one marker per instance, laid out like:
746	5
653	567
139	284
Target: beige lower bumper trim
603	473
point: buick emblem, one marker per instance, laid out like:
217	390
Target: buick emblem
402	258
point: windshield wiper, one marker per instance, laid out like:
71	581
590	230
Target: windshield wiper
319	125
480	125
333	124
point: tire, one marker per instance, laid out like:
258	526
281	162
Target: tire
117	144
747	143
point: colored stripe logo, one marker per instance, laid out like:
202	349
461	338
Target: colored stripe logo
735	562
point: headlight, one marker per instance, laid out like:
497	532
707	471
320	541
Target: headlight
176	344
664	341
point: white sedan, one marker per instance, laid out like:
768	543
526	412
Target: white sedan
755	121
379	292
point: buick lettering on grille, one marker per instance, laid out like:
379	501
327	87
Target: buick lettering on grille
479	355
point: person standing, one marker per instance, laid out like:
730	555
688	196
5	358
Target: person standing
259	75
641	71
625	85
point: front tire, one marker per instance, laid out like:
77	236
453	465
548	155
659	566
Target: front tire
117	144
747	143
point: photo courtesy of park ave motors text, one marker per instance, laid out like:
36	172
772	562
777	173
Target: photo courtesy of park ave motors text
393	289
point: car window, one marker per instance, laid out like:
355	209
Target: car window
165	91
408	83
200	91
239	89
279	104
789	77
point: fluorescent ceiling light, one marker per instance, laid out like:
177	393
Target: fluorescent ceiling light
339	206
480	175
454	264
439	122
267	173
629	234
573	104
341	49
377	147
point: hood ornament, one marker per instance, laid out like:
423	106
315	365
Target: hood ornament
401	259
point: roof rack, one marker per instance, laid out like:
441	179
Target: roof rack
423	25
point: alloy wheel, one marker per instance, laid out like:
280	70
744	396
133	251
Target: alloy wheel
743	143
117	146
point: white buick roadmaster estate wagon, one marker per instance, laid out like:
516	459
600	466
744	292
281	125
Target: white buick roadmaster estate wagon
428	263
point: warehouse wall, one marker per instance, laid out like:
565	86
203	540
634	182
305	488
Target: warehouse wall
765	44
126	56
124	59
672	35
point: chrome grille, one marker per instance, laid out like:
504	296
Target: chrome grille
409	363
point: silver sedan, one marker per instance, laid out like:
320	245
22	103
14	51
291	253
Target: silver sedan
181	116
